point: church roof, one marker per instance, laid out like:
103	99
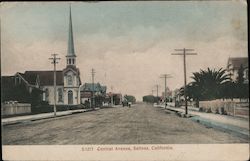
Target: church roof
46	78
71	49
73	68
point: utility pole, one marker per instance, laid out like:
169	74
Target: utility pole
165	76
184	53
54	61
152	92
93	88
112	99
157	87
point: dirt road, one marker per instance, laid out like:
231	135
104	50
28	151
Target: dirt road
140	124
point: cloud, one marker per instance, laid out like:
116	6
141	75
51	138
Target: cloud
129	54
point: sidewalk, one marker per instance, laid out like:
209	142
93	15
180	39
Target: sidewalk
239	126
18	119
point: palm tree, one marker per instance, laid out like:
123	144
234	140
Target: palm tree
207	84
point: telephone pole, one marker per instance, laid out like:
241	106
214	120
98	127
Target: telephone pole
157	87
54	61
112	99
93	88
152	92
184	53
165	76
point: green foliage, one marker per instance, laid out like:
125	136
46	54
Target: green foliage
130	98
150	99
241	89
207	85
240	77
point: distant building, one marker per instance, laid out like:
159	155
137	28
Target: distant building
67	80
233	66
169	94
87	88
117	98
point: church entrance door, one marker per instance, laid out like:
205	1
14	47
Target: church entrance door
70	97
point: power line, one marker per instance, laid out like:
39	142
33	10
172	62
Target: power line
165	76
184	53
93	87
54	61
157	90
152	91
112	98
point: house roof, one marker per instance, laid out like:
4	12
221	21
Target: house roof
45	77
7	81
13	90
236	62
89	87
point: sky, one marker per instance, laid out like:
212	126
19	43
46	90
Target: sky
129	44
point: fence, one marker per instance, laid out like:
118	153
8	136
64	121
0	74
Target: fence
230	107
15	109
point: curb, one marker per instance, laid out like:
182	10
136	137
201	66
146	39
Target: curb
242	132
45	117
239	131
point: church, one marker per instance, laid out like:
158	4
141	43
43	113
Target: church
67	80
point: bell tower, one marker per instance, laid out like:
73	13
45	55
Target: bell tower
71	74
71	57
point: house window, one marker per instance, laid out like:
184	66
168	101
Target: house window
69	61
70	80
60	94
73	61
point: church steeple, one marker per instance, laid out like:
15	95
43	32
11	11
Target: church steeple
71	50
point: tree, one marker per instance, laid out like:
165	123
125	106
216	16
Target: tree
130	98
240	77
207	84
242	89
150	99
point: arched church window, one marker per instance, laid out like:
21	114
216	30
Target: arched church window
70	80
60	94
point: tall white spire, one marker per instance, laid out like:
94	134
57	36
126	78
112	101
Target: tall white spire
71	50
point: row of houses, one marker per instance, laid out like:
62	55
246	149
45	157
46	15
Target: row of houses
38	86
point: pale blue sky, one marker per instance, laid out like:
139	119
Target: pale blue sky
129	41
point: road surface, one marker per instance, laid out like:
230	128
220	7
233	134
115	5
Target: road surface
140	124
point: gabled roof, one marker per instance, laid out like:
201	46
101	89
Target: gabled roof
89	87
46	78
13	89
72	68
235	63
